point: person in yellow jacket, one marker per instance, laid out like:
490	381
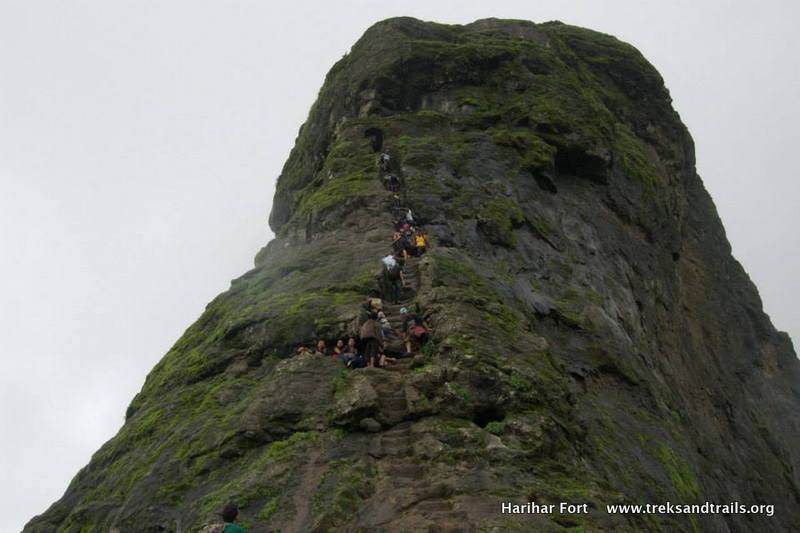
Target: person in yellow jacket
420	243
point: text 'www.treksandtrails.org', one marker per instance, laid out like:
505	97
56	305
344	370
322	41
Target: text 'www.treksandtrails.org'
647	508
704	508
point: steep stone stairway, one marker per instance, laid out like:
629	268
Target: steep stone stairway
417	494
408	481
390	389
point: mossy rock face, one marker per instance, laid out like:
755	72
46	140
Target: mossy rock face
593	339
497	220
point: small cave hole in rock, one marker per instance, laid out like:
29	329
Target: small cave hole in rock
573	161
484	415
375	137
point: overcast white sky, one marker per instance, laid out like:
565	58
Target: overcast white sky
140	142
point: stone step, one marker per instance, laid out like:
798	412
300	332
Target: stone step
396	368
390	389
431	506
395	449
387	391
394	404
455	516
405	471
384	384
395	435
399	429
391	307
403	436
388	417
392	341
393	349
391	403
396	438
454	524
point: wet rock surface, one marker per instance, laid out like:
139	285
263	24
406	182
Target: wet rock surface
593	341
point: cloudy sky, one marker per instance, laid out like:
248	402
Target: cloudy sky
140	142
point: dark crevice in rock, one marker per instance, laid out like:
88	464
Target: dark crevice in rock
576	161
545	182
486	414
375	137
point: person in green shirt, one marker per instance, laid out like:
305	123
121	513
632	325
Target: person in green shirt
230	515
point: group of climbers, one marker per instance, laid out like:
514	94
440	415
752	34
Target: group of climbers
408	240
346	352
368	348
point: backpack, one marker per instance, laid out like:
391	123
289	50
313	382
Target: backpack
394	272
418	331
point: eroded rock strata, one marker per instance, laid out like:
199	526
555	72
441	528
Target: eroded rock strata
594	340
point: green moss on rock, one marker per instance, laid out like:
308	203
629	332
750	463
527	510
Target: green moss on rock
497	220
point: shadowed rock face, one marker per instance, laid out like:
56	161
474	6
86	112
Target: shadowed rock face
594	340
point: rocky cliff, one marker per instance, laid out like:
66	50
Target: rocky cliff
594	341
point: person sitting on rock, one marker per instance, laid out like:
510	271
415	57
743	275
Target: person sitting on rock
372	339
414	331
302	350
322	348
358	361
351	357
230	514
338	349
349	351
